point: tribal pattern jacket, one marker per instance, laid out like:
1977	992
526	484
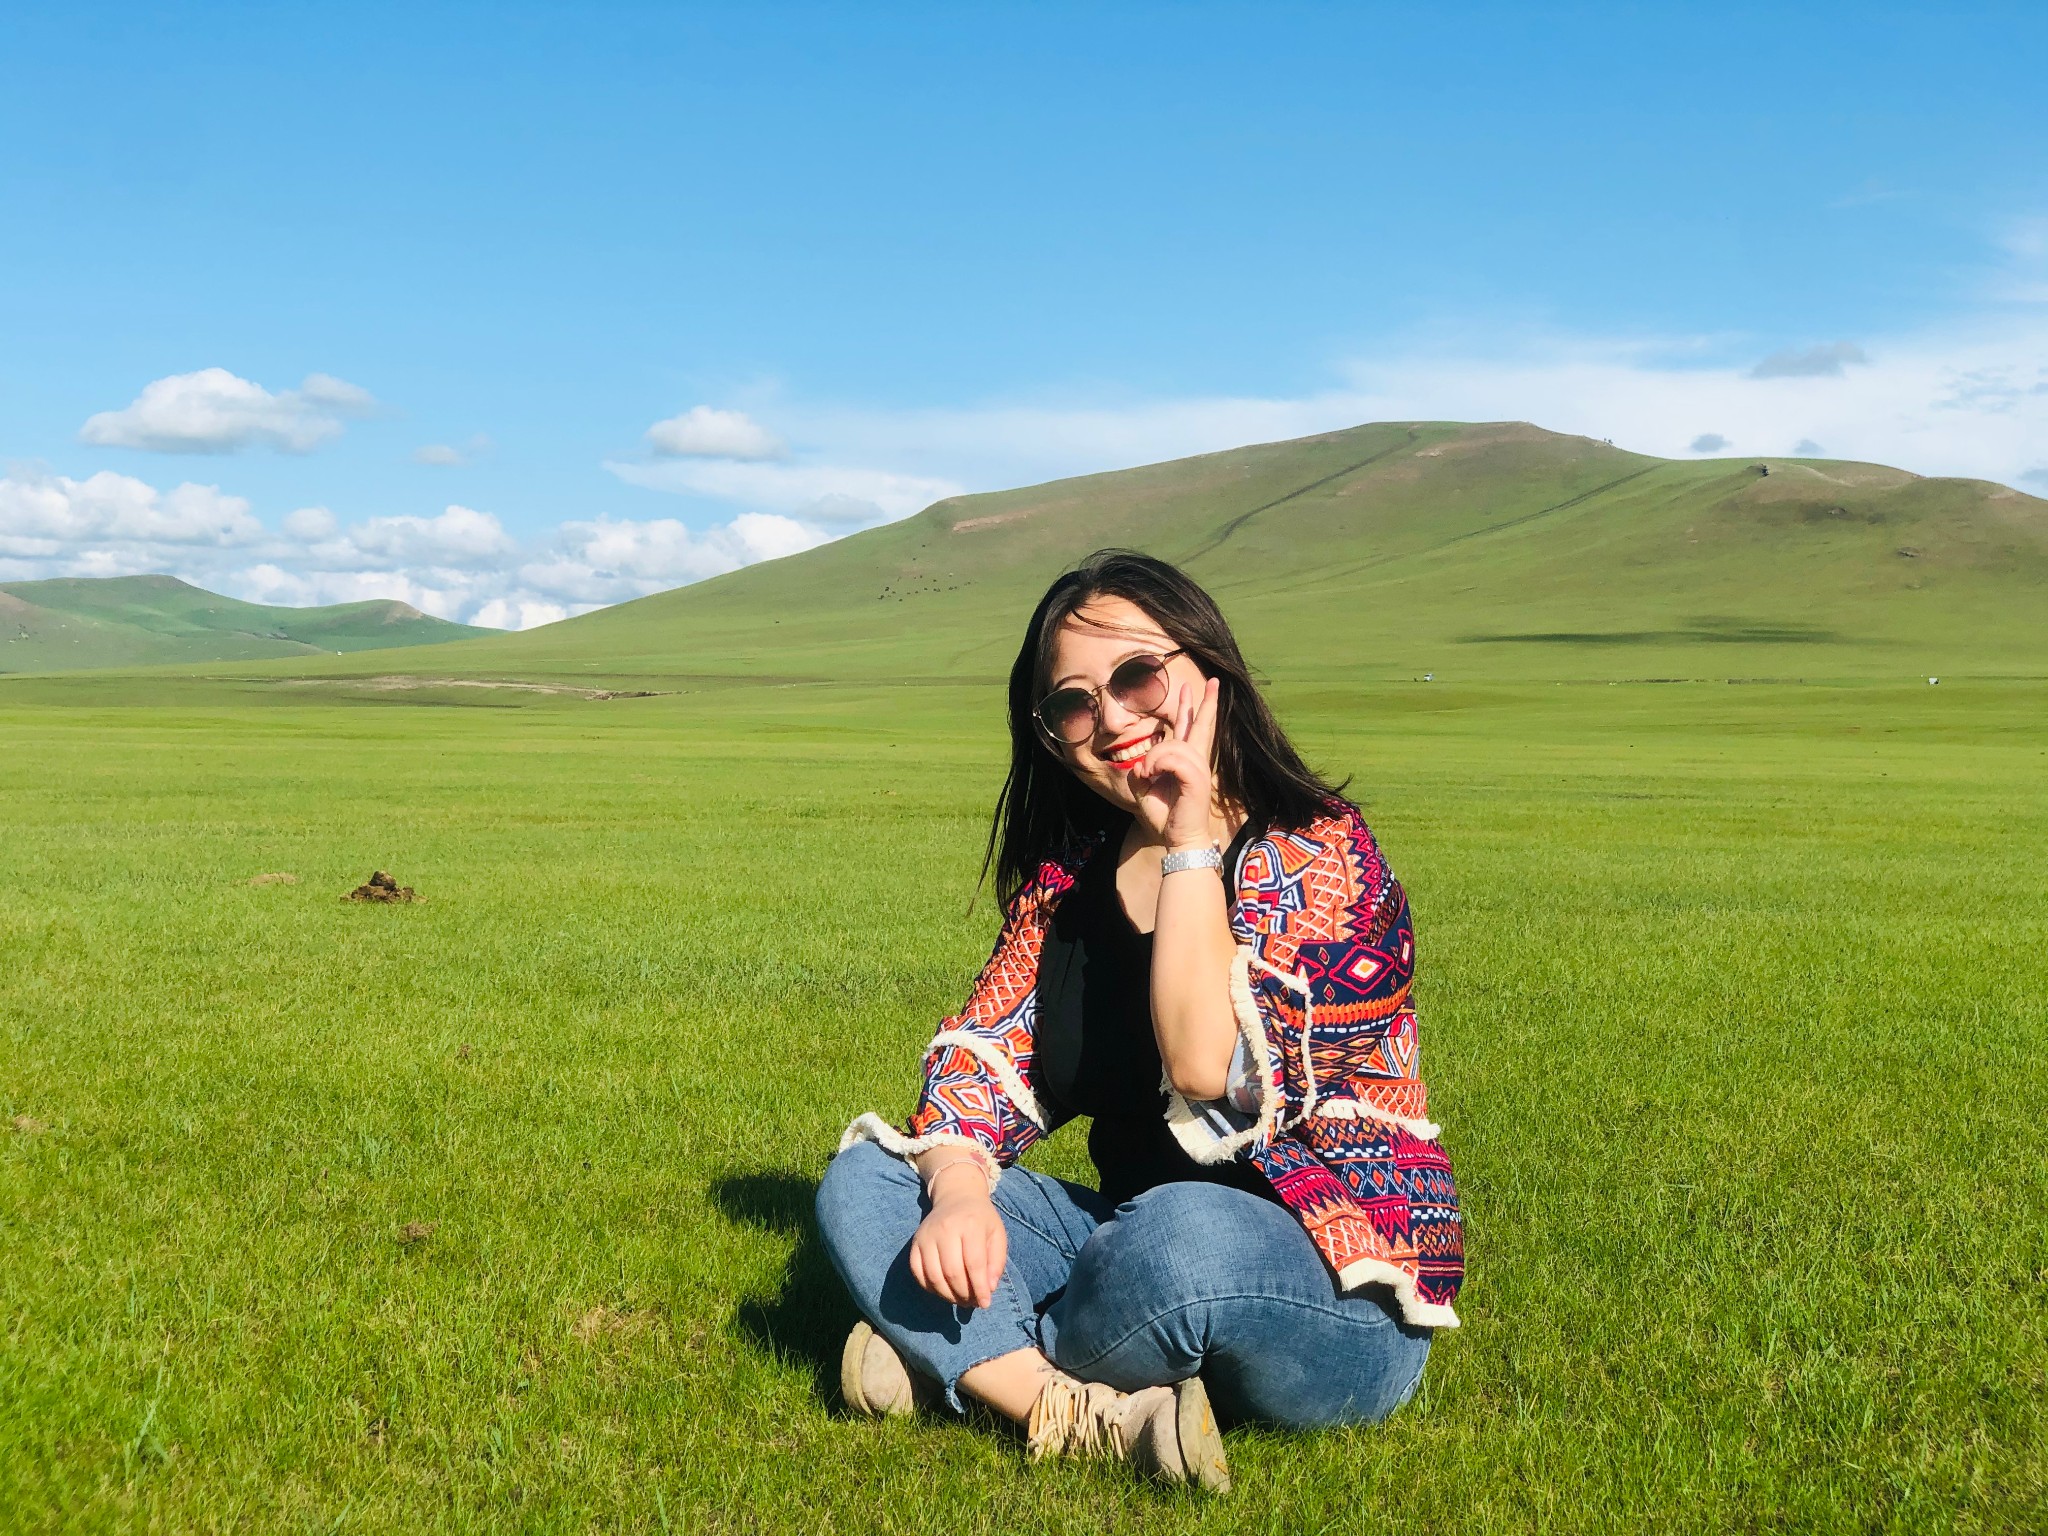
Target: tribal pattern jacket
1320	989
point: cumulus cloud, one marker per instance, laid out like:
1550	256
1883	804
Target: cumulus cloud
706	432
215	411
1807	448
1824	362
610	560
463	565
309	523
518	613
1707	442
460	563
461	538
45	515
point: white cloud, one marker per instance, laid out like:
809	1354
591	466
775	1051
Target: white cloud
461	537
705	432
215	411
463	565
309	523
49	515
608	561
518	613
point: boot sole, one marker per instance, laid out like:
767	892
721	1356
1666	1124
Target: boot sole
1201	1443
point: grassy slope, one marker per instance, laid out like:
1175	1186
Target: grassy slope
125	621
1497	551
1731	1009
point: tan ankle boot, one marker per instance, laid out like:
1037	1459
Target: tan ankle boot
874	1380
1166	1432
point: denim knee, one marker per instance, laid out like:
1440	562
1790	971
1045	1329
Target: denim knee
853	1181
1150	1272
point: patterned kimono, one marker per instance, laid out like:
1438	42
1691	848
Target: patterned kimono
1320	990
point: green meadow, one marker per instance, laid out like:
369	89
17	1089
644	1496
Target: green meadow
491	1213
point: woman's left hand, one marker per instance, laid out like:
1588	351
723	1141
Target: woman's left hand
1174	782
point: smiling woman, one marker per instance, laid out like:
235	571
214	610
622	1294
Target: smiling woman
1276	1224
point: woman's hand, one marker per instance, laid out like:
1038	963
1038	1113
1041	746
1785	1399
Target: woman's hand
1174	782
959	1250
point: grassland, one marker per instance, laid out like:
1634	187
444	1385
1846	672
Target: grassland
77	622
1733	1011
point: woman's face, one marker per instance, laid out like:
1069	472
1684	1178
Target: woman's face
1100	636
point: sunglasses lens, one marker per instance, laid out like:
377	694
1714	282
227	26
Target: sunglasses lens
1139	684
1068	714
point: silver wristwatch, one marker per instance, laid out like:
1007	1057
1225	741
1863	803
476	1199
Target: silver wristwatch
1191	858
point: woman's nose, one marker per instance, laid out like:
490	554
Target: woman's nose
1112	717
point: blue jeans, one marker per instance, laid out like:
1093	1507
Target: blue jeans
1185	1279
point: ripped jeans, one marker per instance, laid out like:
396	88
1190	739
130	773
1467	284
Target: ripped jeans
1186	1279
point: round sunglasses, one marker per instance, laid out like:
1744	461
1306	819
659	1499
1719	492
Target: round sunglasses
1070	715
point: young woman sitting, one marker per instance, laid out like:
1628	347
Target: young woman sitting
1204	952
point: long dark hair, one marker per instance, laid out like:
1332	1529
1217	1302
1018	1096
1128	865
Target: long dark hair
1045	811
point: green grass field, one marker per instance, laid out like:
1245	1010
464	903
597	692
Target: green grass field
1732	1002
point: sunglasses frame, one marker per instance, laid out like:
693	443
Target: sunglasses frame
1095	695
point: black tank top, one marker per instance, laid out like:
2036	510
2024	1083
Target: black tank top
1093	1046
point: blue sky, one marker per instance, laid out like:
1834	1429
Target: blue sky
265	260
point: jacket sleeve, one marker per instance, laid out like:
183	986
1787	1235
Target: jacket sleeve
1333	971
977	1091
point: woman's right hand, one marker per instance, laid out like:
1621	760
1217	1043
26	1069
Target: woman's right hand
959	1250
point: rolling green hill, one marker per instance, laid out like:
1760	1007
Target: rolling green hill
1473	551
127	621
1492	551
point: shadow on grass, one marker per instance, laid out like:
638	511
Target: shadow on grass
1705	631
806	1320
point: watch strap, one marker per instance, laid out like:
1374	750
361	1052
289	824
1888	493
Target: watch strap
1191	858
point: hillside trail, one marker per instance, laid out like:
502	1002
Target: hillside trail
1222	535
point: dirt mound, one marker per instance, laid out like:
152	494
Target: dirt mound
381	887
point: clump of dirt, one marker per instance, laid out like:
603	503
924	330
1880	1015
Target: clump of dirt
416	1232
276	877
381	887
28	1125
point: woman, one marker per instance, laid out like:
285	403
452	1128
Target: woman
1203	951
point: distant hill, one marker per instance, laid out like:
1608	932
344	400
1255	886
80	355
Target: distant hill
125	621
1473	551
